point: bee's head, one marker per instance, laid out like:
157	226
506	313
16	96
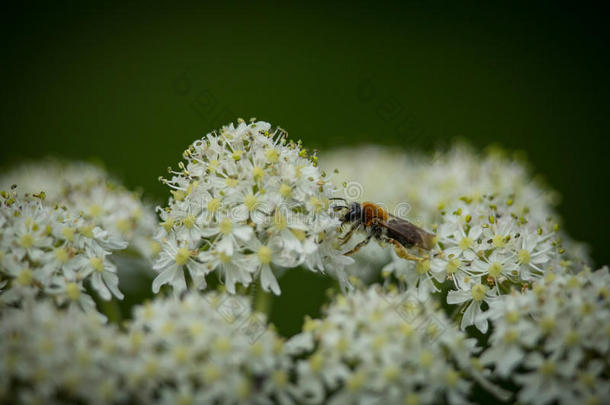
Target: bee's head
353	214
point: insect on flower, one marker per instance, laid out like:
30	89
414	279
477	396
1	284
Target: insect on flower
384	227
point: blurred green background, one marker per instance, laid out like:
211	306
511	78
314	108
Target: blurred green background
132	85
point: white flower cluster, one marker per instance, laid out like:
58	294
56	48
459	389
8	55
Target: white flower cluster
207	349
421	188
375	347
484	250
428	183
54	177
245	203
376	174
88	190
46	250
554	340
200	349
57	356
372	173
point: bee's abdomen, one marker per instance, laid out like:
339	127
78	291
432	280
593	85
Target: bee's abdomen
409	235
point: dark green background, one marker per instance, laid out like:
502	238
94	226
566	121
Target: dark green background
133	85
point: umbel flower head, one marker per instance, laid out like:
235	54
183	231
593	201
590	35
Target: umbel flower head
51	355
199	349
46	251
485	248
207	348
424	189
553	340
384	347
429	182
245	203
88	190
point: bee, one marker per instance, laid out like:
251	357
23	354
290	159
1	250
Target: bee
384	227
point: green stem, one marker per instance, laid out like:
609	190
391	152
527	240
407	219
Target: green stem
112	310
262	301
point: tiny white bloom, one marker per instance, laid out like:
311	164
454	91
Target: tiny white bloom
242	188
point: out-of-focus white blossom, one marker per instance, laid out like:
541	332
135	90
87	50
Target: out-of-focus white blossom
47	251
88	190
386	348
376	174
53	177
427	183
199	349
245	202
209	349
52	356
553	340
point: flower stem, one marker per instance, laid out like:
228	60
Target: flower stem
262	301
112	310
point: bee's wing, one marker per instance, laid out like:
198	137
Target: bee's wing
408	234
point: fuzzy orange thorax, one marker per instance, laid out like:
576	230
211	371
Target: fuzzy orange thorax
373	211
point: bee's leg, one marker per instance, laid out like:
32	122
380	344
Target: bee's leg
349	234
358	246
402	252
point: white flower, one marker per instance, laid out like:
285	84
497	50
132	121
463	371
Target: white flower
376	347
206	349
543	385
462	243
264	256
497	267
233	268
420	276
231	234
483	257
212	348
474	298
88	190
59	355
424	189
547	339
533	254
46	251
241	189
170	262
93	262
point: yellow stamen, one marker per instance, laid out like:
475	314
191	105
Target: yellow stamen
264	255
26	241
251	202
258	173
61	254
285	190
478	292
523	256
465	243
182	256
226	226
495	269
498	241
73	291
214	205
25	277
272	155
97	264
